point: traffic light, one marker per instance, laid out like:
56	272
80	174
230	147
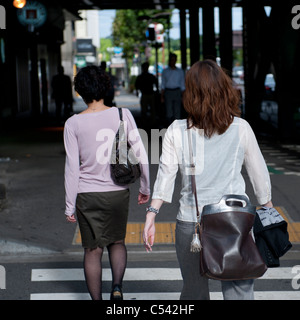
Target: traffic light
150	34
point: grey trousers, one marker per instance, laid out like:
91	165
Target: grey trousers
173	104
196	287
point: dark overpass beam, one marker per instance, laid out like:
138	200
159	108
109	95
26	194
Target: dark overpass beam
209	41
194	35
182	16
34	78
287	69
225	17
251	50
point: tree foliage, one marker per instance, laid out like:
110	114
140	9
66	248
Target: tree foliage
129	28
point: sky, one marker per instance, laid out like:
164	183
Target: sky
106	18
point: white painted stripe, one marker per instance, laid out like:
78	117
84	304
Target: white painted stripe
278	273
278	154
57	274
258	295
291	160
137	274
131	274
292	173
277	295
289	157
106	296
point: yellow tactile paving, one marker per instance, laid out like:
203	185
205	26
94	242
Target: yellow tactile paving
165	231
134	232
293	227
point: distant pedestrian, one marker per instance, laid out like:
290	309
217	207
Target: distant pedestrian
222	143
109	99
62	93
100	205
172	88
145	83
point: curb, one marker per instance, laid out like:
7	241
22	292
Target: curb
14	247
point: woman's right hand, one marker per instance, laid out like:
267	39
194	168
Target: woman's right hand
143	198
71	218
149	231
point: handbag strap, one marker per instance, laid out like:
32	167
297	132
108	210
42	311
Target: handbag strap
193	169
118	132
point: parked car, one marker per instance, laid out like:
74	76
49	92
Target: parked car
237	71
270	86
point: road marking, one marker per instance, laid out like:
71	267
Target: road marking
258	295
131	274
293	227
138	274
165	231
151	274
273	170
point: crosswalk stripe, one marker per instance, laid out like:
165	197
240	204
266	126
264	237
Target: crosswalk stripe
139	274
131	274
152	274
258	295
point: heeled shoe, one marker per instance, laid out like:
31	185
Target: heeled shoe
116	293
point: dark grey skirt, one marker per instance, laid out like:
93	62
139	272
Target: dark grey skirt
102	217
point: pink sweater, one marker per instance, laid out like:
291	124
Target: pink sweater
88	140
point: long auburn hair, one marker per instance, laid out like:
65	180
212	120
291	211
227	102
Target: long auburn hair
210	99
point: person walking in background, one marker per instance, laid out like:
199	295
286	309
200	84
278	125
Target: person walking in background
223	143
145	83
62	93
100	205
172	87
110	94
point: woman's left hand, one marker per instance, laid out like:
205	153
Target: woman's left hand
143	198
149	231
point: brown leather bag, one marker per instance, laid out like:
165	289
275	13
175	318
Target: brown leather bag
227	249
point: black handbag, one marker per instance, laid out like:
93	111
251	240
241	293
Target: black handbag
124	165
227	248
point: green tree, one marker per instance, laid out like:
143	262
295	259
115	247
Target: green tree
129	29
105	43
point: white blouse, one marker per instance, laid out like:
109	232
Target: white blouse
218	160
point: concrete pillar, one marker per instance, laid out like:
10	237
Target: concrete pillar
182	16
194	35
225	17
209	42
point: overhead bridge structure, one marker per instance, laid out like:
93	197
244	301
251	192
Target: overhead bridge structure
271	43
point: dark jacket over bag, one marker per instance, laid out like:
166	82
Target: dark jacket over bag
271	235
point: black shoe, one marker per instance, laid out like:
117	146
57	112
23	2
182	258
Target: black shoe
116	293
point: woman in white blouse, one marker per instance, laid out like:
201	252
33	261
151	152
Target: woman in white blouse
222	143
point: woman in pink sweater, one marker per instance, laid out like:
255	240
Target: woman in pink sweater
100	205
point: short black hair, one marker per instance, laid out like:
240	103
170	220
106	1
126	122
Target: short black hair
92	83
